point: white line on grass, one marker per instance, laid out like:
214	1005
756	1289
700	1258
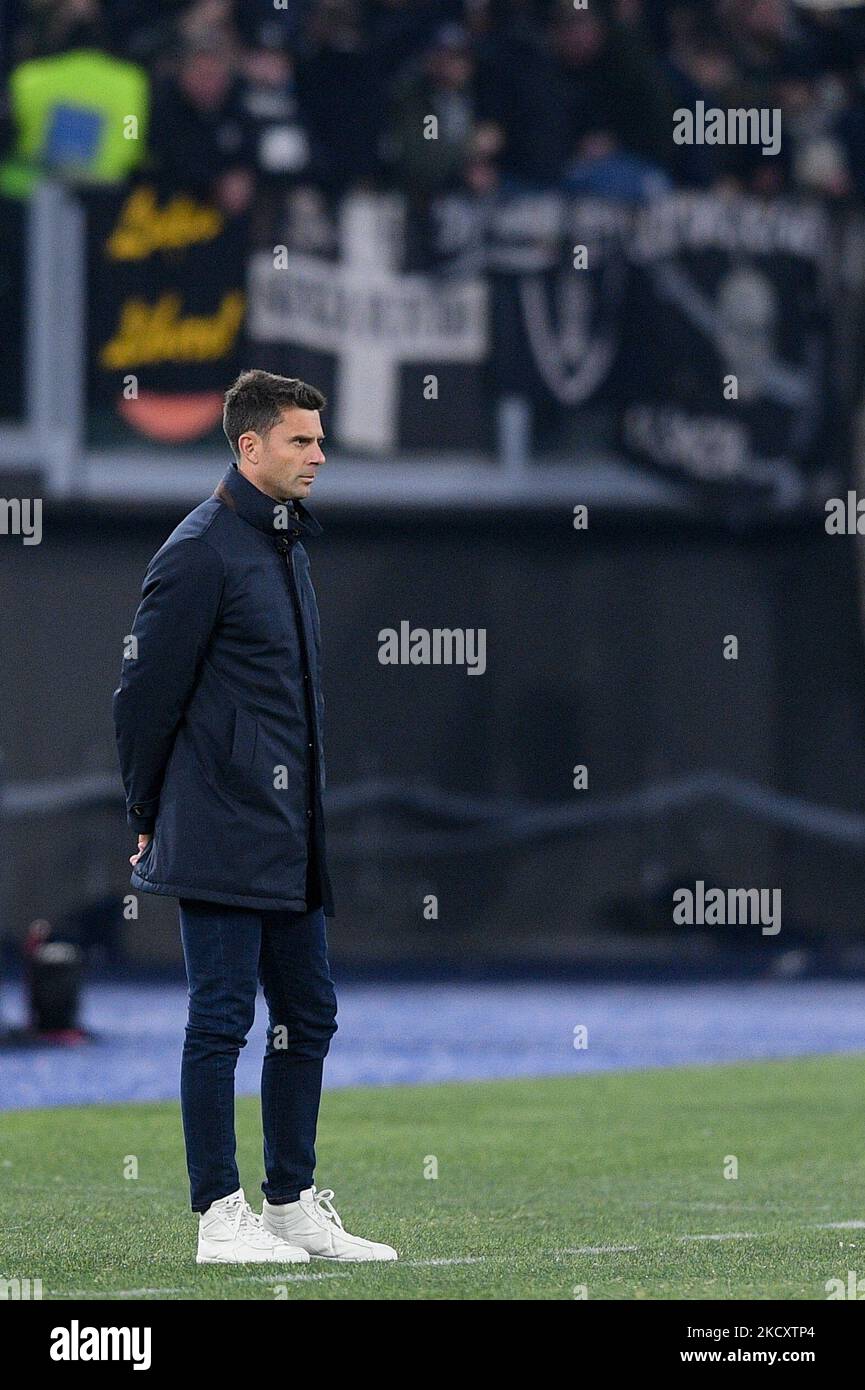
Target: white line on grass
727	1235
458	1260
595	1249
115	1293
288	1278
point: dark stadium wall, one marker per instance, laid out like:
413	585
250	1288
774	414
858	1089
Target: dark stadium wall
604	647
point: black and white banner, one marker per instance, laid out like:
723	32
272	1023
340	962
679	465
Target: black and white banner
729	331
524	295
399	355
559	275
695	331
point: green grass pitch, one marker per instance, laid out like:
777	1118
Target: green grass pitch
612	1183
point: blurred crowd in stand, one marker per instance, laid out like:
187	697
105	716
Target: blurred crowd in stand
332	95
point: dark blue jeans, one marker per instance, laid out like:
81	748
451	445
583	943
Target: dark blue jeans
227	951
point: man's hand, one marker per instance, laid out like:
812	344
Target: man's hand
143	842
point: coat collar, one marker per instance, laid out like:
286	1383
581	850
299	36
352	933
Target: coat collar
237	492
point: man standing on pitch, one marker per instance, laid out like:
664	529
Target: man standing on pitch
219	732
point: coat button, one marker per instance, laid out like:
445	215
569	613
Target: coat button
138	810
309	813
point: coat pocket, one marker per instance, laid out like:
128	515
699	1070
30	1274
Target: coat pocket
243	740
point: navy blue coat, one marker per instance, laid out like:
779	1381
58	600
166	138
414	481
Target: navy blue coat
219	713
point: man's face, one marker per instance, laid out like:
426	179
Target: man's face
284	462
205	79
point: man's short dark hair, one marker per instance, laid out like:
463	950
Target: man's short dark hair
256	400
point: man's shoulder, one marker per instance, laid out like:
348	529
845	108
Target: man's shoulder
198	539
198	524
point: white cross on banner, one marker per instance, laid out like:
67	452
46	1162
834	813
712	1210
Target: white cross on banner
371	317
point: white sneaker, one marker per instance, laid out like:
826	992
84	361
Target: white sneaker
230	1232
313	1224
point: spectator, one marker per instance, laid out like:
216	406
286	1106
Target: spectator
610	91
269	102
700	68
80	114
341	97
515	69
439	87
201	136
586	89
